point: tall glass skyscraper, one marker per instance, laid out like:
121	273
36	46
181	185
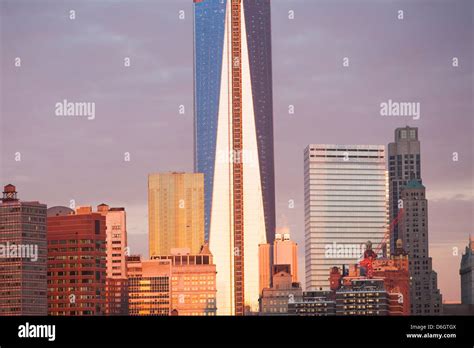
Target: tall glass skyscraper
234	141
346	205
209	27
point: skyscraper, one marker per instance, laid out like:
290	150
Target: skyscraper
413	230
234	141
213	39
404	164
175	212
76	262
407	192
467	274
23	284
116	277
346	194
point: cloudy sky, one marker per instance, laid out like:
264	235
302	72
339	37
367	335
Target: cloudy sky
57	159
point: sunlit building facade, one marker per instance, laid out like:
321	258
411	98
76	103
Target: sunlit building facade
285	252
175	212
234	142
211	18
76	262
193	282
116	281
149	290
23	286
346	205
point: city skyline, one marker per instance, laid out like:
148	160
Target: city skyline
449	183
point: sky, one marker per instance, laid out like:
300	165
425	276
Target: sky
139	127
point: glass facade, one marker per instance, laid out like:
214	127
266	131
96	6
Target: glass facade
209	18
346	204
258	24
209	27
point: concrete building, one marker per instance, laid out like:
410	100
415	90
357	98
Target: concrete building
362	297
390	274
76	262
315	304
413	230
116	276
275	300
346	204
396	275
193	282
404	164
175	212
285	252
467	274
23	255
149	289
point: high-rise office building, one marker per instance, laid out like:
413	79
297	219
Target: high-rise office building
404	164
234	141
467	274
149	290
346	204
409	207
285	252
413	230
193	282
214	42
23	285
175	212
116	280
76	262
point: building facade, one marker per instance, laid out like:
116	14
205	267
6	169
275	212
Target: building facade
467	274
193	282
404	164
285	252
314	304
76	262
212	51
175	212
366	297
413	230
23	255
275	300
346	204
234	142
149	289
116	276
